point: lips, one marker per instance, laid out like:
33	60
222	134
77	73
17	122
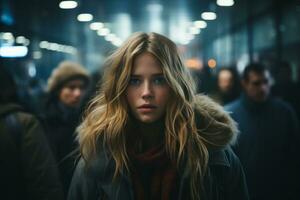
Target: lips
146	108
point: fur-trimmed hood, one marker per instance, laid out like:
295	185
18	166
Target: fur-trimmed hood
214	124
66	71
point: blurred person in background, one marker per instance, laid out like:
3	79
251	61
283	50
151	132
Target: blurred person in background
285	88
269	135
228	86
146	135
27	167
204	80
66	89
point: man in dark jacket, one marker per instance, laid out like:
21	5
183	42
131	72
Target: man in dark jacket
66	88
269	134
27	166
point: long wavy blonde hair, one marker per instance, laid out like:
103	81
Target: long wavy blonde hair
107	117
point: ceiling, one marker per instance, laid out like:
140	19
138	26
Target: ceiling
43	20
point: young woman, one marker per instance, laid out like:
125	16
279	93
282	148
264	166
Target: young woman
146	135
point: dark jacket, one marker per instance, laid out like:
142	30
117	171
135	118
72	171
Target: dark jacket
27	166
267	147
60	123
224	179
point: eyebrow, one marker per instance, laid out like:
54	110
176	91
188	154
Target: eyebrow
154	75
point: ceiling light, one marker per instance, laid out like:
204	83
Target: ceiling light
85	17
209	16
37	55
225	2
44	44
103	31
70	50
20	40
200	24
155	7
68	4
7	36
189	37
13	51
194	30
117	42
53	46
27	42
110	37
96	26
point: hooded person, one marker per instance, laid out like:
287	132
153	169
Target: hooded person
66	89
27	165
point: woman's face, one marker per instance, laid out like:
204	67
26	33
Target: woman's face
147	93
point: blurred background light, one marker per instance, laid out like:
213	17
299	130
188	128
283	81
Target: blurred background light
37	55
32	70
20	40
225	2
96	26
212	63
68	4
194	30
85	17
209	16
200	24
103	31
13	51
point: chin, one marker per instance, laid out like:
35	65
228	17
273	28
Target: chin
261	100
74	105
147	120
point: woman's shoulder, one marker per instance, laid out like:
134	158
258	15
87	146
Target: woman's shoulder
213	122
228	173
101	166
225	165
223	157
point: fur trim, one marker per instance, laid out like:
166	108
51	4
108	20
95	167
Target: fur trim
214	124
65	71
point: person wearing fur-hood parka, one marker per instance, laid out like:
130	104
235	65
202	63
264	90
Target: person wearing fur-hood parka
67	85
146	135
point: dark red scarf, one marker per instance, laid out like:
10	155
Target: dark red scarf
162	179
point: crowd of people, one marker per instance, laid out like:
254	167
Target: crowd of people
146	132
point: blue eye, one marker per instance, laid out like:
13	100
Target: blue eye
159	81
134	81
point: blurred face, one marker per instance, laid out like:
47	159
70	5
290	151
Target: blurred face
257	87
72	92
147	93
225	80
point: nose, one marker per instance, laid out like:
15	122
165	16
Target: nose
264	87
147	91
77	92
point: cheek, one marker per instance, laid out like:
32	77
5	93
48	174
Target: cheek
163	96
63	94
130	98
